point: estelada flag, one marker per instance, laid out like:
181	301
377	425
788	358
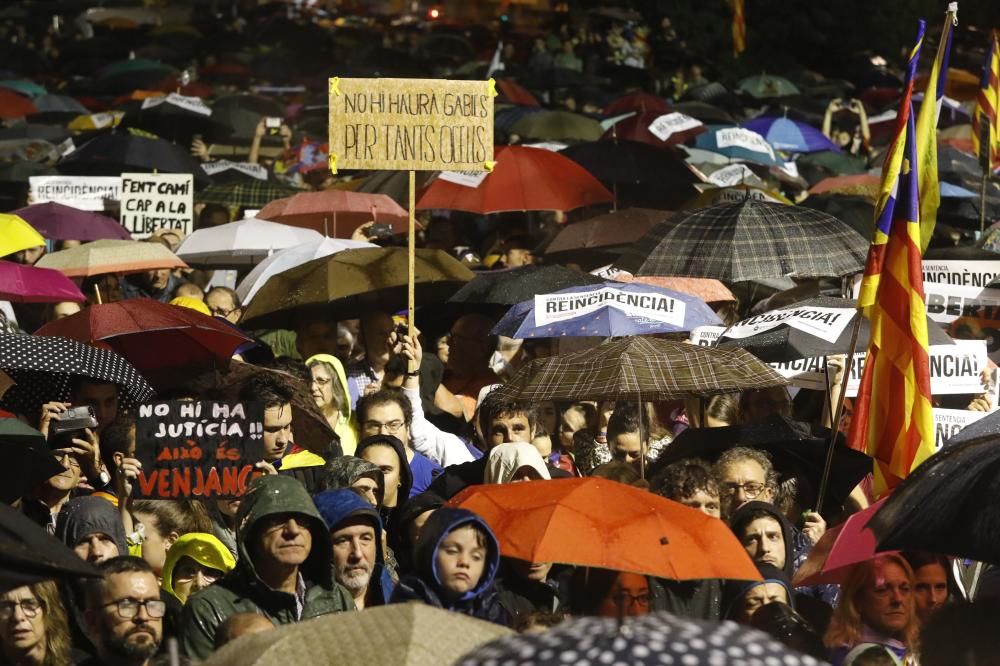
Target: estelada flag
986	119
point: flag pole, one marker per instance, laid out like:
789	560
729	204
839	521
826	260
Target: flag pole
982	201
411	262
834	429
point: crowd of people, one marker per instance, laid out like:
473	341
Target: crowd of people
414	417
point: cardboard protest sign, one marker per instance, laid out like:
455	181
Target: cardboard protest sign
411	124
961	272
553	308
197	449
949	422
824	323
83	192
152	201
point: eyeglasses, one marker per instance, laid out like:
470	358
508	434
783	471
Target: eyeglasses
392	427
61	456
222	312
30	608
624	599
751	488
129	608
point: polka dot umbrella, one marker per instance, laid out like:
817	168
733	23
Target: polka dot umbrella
657	638
43	368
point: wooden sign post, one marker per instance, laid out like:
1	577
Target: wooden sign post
413	125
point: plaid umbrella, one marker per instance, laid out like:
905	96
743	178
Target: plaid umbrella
748	240
644	640
509	287
43	366
639	369
248	195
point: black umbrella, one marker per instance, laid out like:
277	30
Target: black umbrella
748	240
511	286
856	212
175	118
947	504
706	113
27	460
653	639
786	343
43	367
792	446
28	554
114	153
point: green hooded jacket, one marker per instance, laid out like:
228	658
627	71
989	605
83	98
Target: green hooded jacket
242	590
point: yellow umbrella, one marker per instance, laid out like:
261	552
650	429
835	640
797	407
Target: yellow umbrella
17	235
111	256
96	121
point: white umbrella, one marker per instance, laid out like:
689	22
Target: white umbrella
242	243
290	258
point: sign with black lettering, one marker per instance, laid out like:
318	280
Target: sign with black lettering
949	302
643	307
824	323
197	448
966	273
152	201
83	192
949	422
411	124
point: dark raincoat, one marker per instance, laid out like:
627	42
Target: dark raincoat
482	601
242	590
336	506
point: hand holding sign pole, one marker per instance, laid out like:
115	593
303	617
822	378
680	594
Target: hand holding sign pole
413	125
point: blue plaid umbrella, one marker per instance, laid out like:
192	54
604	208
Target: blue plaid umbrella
611	309
738	144
790	135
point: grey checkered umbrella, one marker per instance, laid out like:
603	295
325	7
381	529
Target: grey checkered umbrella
640	368
42	367
748	240
657	638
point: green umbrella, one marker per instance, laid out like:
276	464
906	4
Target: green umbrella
765	85
558	126
29	88
348	283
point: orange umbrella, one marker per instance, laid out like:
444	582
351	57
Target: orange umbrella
707	289
13	105
336	213
568	521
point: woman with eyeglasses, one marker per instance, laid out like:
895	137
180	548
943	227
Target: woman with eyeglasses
33	627
328	384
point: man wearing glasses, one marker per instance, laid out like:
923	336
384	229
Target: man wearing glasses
125	613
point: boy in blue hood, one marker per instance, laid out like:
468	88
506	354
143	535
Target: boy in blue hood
455	560
356	538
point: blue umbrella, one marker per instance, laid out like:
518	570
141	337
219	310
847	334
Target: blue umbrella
738	143
954	191
790	135
611	309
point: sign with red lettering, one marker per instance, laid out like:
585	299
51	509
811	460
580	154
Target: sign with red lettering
197	448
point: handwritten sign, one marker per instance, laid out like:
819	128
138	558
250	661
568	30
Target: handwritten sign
415	124
669	124
197	449
83	192
553	308
152	201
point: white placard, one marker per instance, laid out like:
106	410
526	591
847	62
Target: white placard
824	323
948	302
669	124
743	138
157	201
552	146
471	179
738	194
253	170
609	272
192	104
949	422
734	174
961	272
83	192
554	308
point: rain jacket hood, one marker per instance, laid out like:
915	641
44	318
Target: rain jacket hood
735	590
440	524
342	472
344	429
205	549
745	515
505	459
405	473
336	506
82	516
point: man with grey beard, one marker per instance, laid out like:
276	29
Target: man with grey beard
358	549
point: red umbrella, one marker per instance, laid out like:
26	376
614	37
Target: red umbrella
839	549
154	337
59	222
523	179
13	105
636	128
639	101
336	213
20	283
515	93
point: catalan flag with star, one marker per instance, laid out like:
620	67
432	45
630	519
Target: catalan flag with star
892	420
986	119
